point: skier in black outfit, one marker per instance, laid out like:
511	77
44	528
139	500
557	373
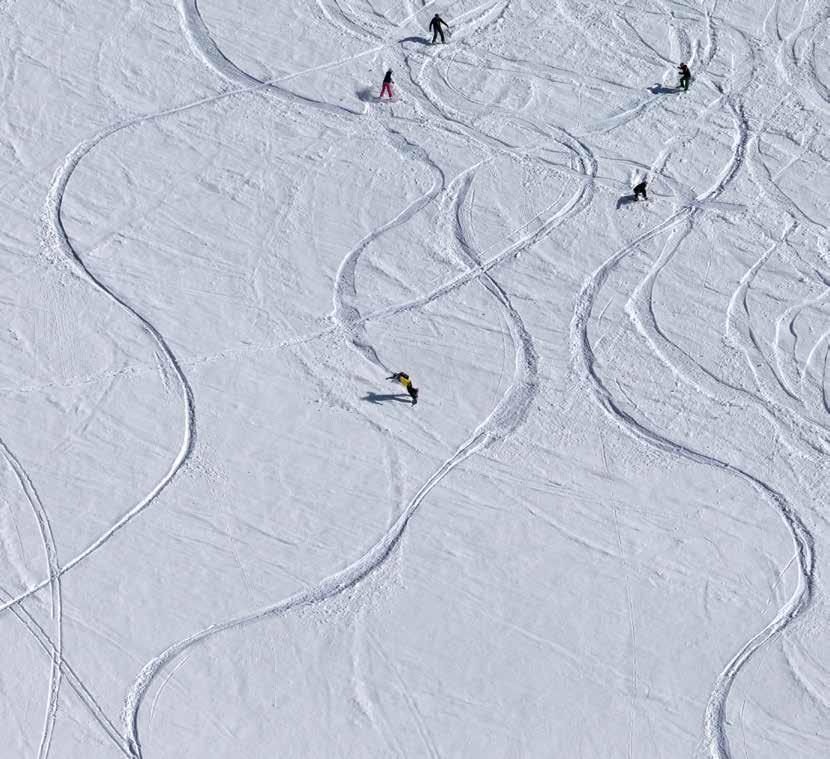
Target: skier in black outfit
436	26
685	76
640	189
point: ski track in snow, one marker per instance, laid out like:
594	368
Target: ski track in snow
784	382
800	71
201	42
48	541
505	417
584	361
52	645
510	411
56	247
66	673
346	313
739	333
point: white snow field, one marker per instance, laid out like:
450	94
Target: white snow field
601	533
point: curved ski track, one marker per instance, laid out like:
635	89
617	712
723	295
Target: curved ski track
507	415
56	247
346	314
48	541
202	43
504	418
584	361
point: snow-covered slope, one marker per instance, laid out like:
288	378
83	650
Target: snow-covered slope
600	533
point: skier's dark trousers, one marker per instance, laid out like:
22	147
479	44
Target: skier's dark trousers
436	26
685	76
640	189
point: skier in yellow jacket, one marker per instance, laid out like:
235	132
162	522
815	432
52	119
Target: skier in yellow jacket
404	379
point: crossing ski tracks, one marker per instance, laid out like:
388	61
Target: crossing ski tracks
460	396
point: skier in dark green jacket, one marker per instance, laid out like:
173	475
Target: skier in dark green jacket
685	76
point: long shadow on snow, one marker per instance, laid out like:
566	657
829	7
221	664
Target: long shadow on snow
626	200
367	95
383	398
661	89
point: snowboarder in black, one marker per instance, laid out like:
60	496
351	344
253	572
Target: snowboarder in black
403	378
387	84
436	26
685	76
640	189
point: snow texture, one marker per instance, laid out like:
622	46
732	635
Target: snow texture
600	532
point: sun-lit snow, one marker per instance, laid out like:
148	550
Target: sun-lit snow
600	533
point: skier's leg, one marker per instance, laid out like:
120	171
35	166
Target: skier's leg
434	36
443	41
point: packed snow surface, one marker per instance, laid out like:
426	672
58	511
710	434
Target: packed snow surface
601	533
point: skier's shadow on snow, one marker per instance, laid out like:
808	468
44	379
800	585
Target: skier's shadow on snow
661	89
367	95
626	200
384	397
421	40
